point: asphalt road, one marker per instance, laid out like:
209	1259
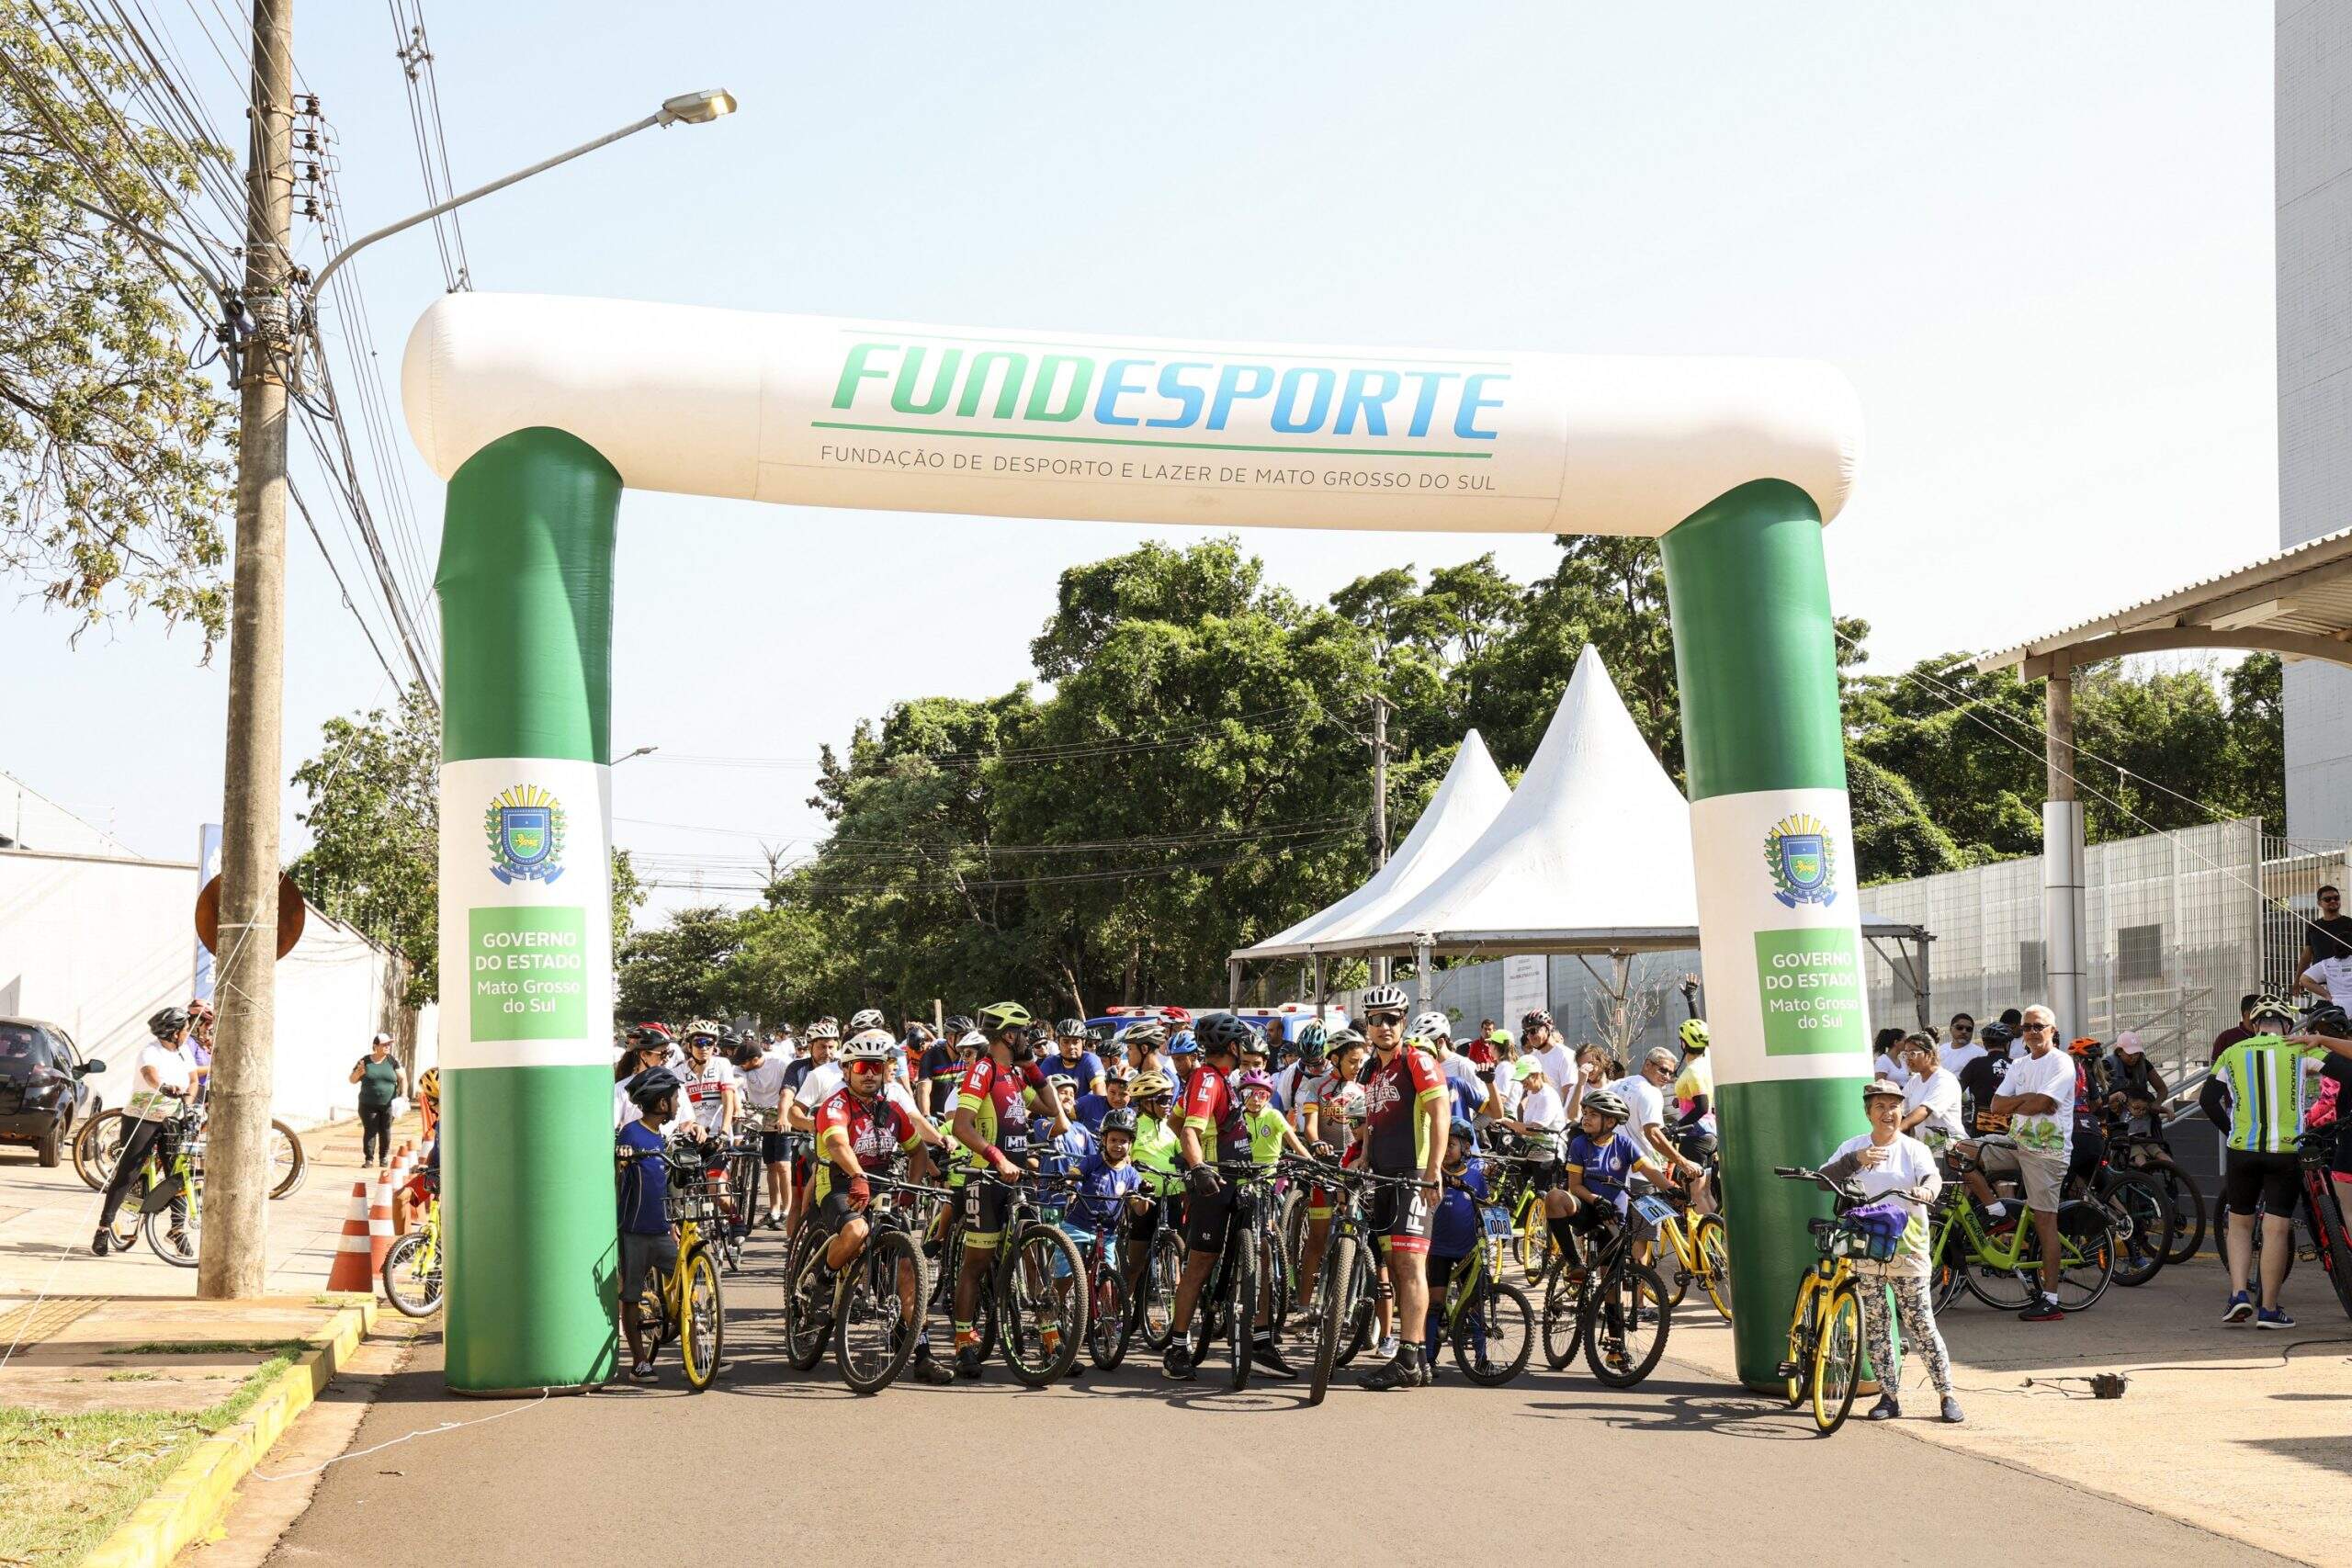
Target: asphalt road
1103	1469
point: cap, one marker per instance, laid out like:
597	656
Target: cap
381	1038
2128	1042
1878	1086
1530	1068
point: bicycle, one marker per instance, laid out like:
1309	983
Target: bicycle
1601	1303
98	1145
2137	1212
1826	1348
1227	1307
1031	1306
1702	1251
2324	1208
874	1314
1349	1282
411	1271
1522	1159
2151	1155
171	1186
1162	1272
2002	1268
1110	1317
1481	1312
684	1302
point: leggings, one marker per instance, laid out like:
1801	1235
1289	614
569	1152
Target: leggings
1920	1331
136	1144
375	1133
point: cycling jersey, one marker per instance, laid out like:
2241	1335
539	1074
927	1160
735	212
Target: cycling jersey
2269	1092
1000	1099
878	1130
1082	1072
1695	1082
1265	1135
645	1184
1156	1155
707	1086
940	1069
1210	1105
1453	1227
1102	1188
1606	1166
1395	1124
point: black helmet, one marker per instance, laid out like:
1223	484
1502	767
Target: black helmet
646	1034
1222	1032
958	1025
653	1086
1040	1035
168	1025
2331	1019
1071	1028
1120	1121
1996	1033
1534	1020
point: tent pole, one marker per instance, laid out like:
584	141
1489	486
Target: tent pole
1421	969
1319	992
1232	983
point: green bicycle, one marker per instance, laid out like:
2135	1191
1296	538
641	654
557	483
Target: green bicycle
412	1271
1490	1324
169	1194
2001	1267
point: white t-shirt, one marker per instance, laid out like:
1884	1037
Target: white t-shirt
1955	1057
1544	1108
707	1090
1908	1164
172	1071
1648	1103
2051	1073
763	1082
2335	974
1890	1070
1939	1092
1559	1064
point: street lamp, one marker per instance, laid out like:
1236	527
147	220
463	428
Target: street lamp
640	752
686	108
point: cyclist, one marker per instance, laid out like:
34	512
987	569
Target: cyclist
1931	1096
1471	1090
860	1126
1314	1045
1066	1150
1109	1188
1215	1129
1073	1060
807	1082
1001	1091
763	1090
1339	1115
1157	1156
864	1019
161	1086
713	1086
941	1068
1253	1060
2036	1099
1882	1163
1603	1158
649	1241
1146	1044
648	1047
1183	1060
2270	1089
1453	1231
1270	1134
1404	1130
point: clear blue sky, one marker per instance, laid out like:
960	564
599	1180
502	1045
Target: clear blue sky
2037	238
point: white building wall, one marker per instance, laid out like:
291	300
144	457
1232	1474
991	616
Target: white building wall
97	944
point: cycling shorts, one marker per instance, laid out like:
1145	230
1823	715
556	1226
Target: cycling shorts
1401	1217
986	1202
1318	1202
831	1211
2248	1175
1208	1219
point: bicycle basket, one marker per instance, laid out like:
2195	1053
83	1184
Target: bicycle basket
1877	1228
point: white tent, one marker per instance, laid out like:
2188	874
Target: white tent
1466	802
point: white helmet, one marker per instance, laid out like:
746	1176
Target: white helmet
973	1041
1348	1103
1386	999
1432	1025
869	1045
865	1019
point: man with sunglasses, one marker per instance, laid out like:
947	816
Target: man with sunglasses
1407	1116
2327	949
2037	1096
1215	1129
1002	1090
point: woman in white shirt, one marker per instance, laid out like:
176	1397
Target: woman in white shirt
1931	1097
159	1092
1882	1163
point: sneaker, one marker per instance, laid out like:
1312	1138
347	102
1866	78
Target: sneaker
968	1362
926	1369
2044	1310
2273	1317
102	1244
1177	1363
1263	1355
1886	1409
1386	1349
1404	1371
2241	1307
1952	1417
641	1372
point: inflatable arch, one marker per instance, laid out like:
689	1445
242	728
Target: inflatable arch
539	412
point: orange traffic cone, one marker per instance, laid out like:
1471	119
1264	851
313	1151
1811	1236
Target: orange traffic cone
354	1258
379	1225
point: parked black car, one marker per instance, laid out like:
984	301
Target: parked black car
43	1095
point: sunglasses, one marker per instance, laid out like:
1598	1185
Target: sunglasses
1391	1019
2035	1028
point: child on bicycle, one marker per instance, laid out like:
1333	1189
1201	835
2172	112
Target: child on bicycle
1454	1228
649	1241
1604	1159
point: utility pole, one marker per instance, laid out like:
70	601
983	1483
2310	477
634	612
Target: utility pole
234	1259
1379	806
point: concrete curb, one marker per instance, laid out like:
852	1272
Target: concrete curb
193	1498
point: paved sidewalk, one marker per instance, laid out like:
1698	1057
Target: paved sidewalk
2233	1430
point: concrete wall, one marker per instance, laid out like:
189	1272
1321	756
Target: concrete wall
98	945
2314	114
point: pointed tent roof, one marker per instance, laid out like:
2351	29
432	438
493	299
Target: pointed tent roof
1466	801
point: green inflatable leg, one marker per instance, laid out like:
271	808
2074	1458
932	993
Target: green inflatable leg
1773	842
525	943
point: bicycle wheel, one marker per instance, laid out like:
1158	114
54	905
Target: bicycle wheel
1627	1319
2326	1212
2143	1221
2188	1215
1293	1228
1363	1305
176	1241
2087	1251
412	1277
1671	1269
1531	1241
703	1330
2004	1290
1837	1360
807	1301
875	1335
1041	1304
1109	1324
1241	1299
1163	1271
1712	1239
96	1147
1494	1334
1277	1284
1563	1322
1804	1325
288	1164
1334	1314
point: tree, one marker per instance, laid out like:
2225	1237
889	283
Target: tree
112	484
676	971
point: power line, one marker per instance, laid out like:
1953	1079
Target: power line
415	55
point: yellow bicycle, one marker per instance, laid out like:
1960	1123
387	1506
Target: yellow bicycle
683	1302
412	1268
1700	1251
1826	1349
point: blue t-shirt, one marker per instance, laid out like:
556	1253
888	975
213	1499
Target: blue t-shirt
1082	1072
1453	1229
1101	1189
1469	1099
1608	1164
1092	1109
644	1184
1064	1151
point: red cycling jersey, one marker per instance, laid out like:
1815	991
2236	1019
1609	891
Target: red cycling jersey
876	1129
1396	1134
1211	1104
1000	1099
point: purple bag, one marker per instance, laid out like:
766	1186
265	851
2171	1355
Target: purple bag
1881	1223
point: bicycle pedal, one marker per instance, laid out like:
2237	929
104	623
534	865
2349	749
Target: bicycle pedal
1784	1370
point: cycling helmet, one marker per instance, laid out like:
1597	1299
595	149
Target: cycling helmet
869	1045
2272	1006
1118	1072
1071	1028
1257	1080
646	1034
1693	1034
1997	1035
918	1033
1460	1128
1183	1044
864	1019
972	1040
1038	1035
1150	1033
1150	1086
1222	1032
2330	1020
1342	1038
1349	1103
1121	1121
1534	1020
653	1086
1313	1039
703	1026
1432	1025
824	1028
998	1017
1386	999
168	1025
1606	1103
958	1026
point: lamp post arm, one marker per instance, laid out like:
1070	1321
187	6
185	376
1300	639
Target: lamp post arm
319	283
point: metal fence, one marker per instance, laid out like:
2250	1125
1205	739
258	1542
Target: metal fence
1580	993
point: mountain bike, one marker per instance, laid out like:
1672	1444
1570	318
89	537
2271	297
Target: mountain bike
1825	1339
872	1310
2150	1154
2001	1265
1245	1267
1162	1272
682	1302
98	1145
1521	1161
411	1271
2139	1212
1620	1303
1488	1323
2323	1208
1110	1317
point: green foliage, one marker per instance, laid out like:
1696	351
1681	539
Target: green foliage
112	484
677	970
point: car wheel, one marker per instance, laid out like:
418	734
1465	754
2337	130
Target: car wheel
53	1145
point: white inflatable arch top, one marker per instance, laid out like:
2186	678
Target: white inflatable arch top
816	412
